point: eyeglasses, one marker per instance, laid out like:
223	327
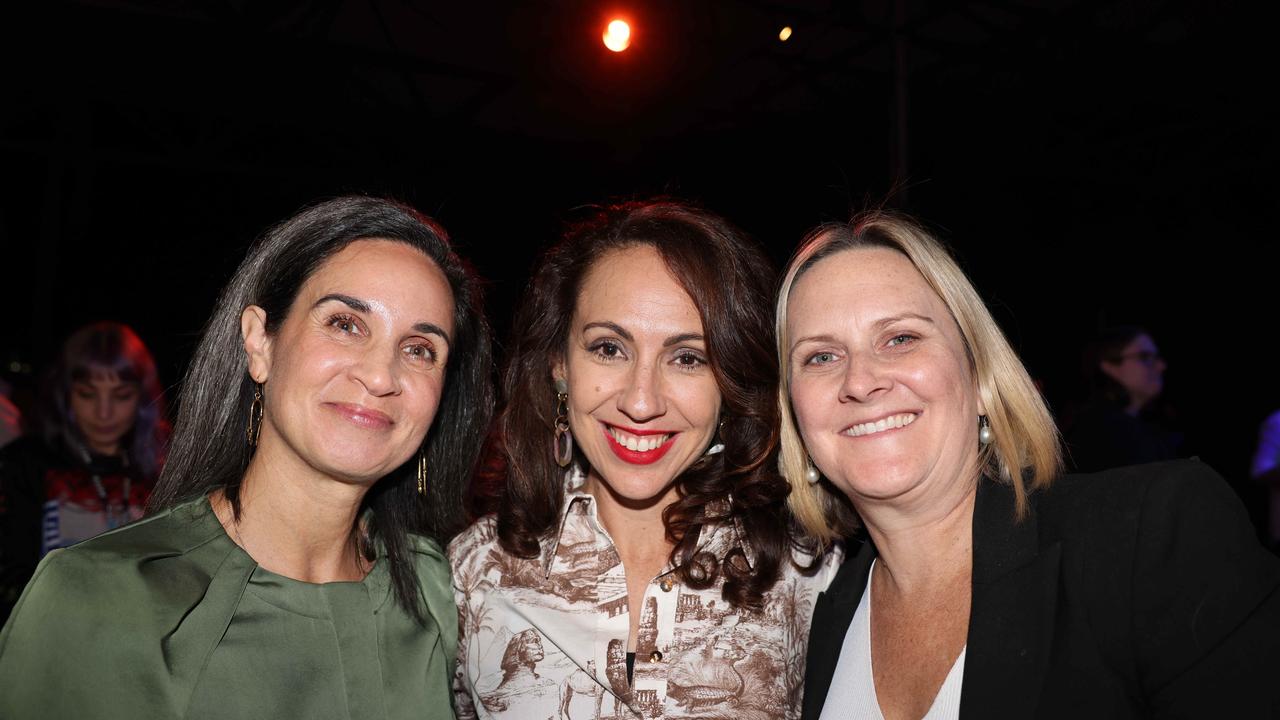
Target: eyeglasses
1146	357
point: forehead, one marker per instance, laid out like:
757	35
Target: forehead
1142	342
635	284
876	281
392	275
101	377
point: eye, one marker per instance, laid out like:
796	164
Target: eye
902	339
689	359
821	358
421	352
606	350
345	324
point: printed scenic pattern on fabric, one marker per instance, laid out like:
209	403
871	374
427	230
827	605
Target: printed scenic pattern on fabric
546	637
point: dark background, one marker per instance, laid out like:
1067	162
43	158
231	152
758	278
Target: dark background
1091	162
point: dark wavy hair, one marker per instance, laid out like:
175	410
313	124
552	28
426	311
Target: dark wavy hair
115	348
729	280
209	451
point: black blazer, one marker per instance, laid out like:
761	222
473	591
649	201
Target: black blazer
1137	592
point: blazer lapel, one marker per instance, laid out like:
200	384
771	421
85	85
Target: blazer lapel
832	614
1011	620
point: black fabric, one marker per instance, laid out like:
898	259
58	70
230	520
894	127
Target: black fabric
631	666
1137	592
1104	436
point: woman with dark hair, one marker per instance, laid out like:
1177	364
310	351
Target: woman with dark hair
1124	374
641	539
92	467
292	564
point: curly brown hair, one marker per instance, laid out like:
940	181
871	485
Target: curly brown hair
730	282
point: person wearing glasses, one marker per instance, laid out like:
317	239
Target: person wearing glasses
1124	373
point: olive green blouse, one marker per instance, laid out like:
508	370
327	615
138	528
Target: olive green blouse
169	618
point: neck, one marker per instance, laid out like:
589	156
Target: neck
636	527
295	521
926	547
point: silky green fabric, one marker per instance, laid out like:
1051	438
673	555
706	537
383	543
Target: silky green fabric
168	618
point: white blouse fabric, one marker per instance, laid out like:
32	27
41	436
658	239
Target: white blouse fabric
546	637
853	687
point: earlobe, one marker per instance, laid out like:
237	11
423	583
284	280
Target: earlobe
257	344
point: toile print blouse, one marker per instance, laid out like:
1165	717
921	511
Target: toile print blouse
546	637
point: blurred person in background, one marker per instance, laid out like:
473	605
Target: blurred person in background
92	466
1114	427
1265	469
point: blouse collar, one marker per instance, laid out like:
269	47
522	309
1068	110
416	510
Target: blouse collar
715	537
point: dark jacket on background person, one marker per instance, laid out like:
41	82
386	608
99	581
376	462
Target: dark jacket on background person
50	499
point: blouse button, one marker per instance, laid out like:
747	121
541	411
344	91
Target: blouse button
655	656
666	584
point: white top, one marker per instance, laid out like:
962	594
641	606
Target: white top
853	687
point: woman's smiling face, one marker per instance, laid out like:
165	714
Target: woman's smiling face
354	374
880	381
643	401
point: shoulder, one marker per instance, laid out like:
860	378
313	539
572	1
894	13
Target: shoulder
816	571
25	453
163	560
1178	491
470	548
173	532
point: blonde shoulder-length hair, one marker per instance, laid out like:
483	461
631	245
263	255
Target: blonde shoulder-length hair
1025	452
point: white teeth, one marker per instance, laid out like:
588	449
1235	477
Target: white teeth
638	443
889	423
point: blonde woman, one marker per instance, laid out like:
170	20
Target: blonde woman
989	585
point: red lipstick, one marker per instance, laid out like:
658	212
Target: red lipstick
638	457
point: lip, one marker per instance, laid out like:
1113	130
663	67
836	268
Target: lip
887	431
362	416
636	457
99	431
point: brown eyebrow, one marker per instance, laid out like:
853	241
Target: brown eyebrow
427	328
621	332
611	326
361	306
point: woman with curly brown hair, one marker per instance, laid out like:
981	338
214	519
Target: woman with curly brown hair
642	537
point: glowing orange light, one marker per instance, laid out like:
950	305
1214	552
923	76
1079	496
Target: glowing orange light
785	34
618	36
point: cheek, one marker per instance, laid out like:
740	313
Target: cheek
699	400
426	396
806	405
126	410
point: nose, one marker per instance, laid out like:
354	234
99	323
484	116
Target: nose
378	370
102	408
864	379
642	400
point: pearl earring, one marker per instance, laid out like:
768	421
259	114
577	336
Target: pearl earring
985	434
811	474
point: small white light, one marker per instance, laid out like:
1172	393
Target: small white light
785	34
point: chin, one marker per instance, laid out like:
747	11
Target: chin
626	486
